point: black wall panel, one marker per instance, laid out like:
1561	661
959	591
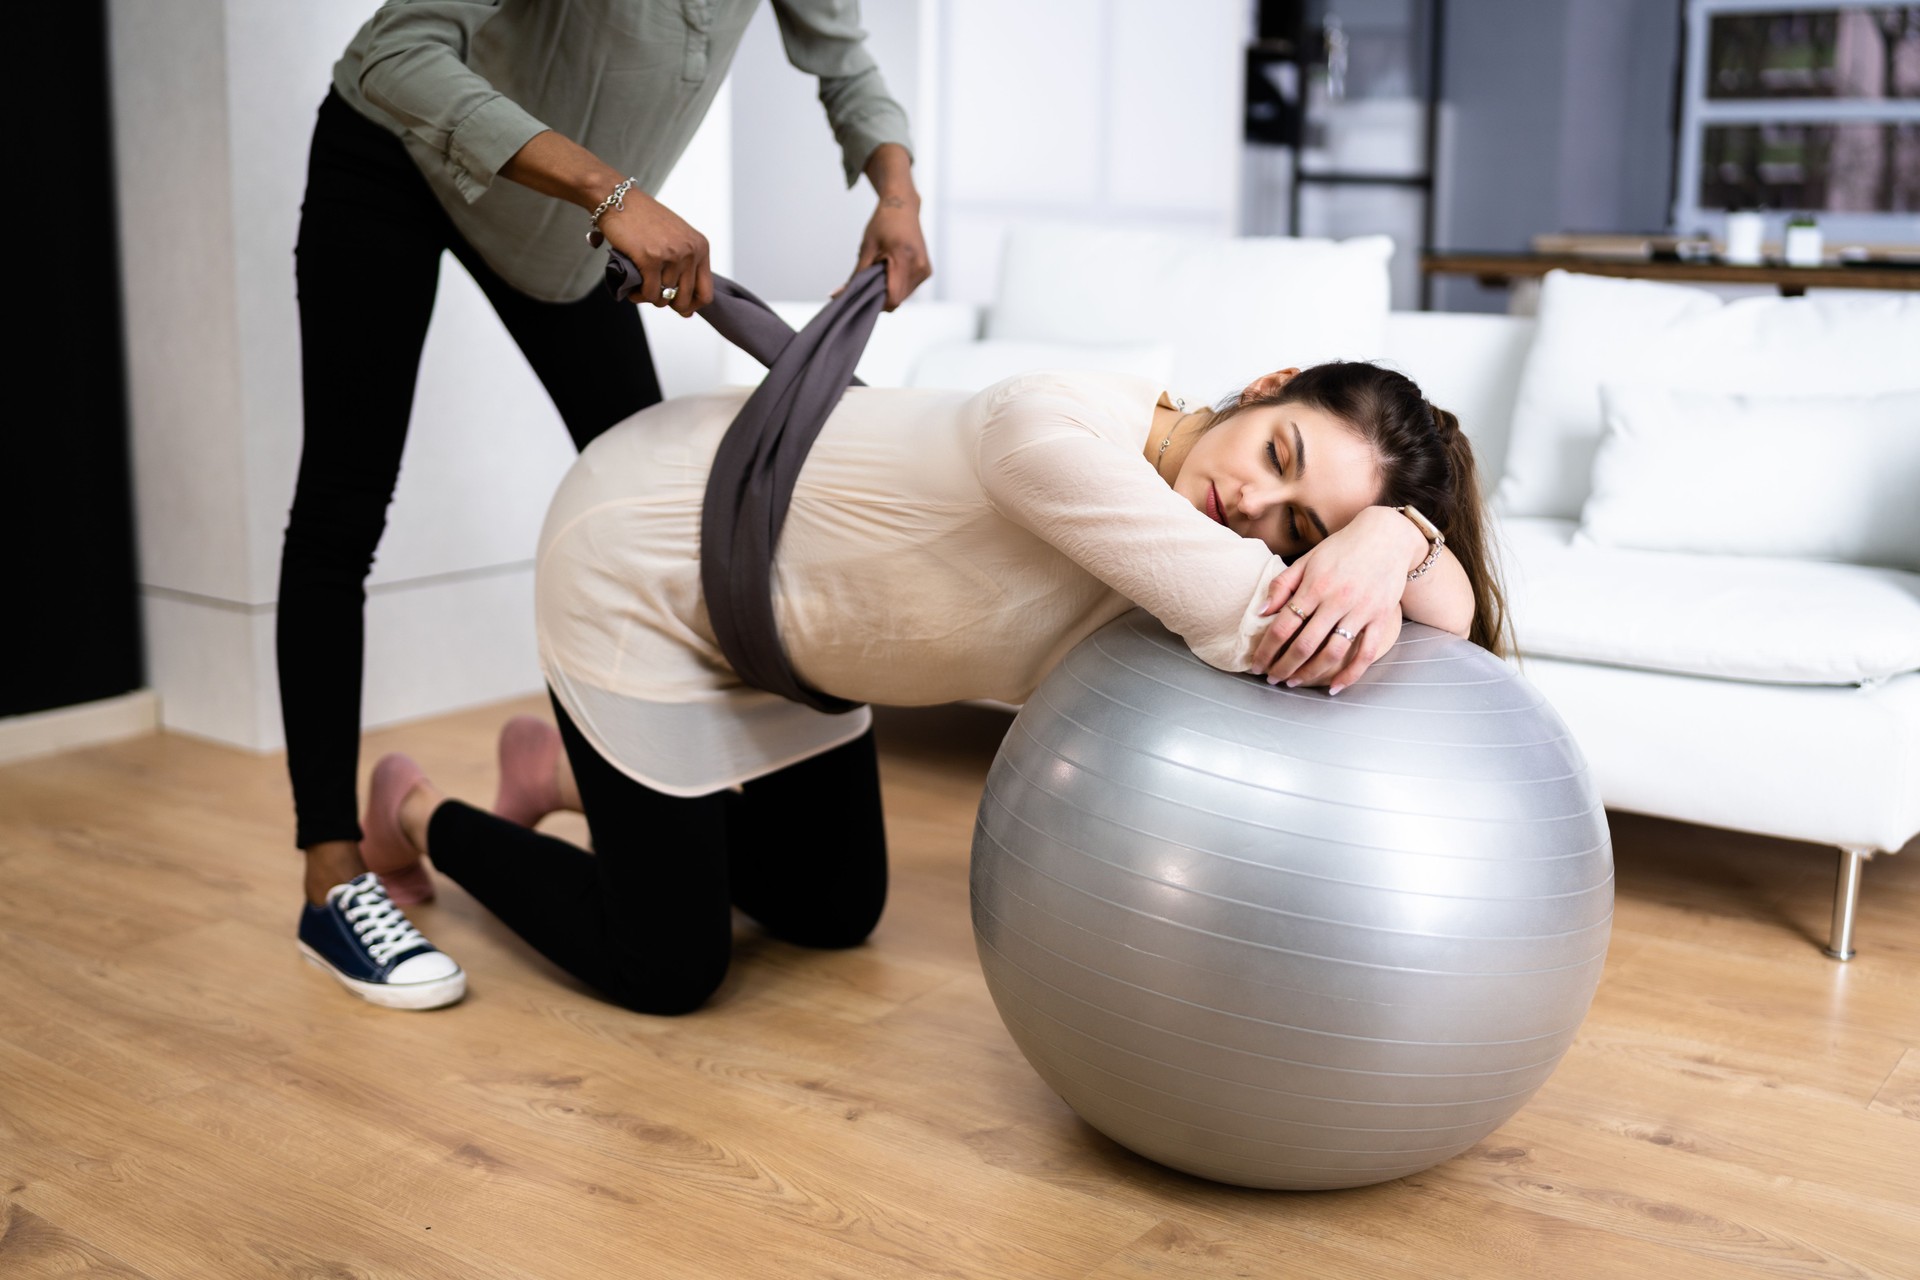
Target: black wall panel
69	610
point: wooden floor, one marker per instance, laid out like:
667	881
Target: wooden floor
182	1096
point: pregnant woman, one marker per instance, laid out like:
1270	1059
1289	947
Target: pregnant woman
940	546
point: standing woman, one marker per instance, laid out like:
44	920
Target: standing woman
585	104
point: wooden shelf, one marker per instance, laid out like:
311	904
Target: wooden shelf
1498	269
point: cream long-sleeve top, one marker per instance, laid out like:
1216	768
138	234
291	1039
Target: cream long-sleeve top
466	83
940	546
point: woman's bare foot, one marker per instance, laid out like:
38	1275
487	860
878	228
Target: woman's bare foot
531	760
392	847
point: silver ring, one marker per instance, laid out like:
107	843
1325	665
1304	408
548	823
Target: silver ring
1343	633
1296	611
669	293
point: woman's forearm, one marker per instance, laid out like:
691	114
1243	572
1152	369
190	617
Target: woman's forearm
557	166
671	257
890	170
1441	597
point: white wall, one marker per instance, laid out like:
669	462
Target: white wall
1108	110
213	110
1121	111
796	224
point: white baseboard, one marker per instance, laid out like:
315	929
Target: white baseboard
87	725
433	645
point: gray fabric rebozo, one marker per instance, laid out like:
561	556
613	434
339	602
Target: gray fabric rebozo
759	459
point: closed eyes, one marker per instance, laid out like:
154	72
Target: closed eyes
1293	518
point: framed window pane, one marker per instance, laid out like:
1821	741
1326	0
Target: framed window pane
1862	53
1848	167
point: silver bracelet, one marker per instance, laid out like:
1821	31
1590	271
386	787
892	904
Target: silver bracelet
614	201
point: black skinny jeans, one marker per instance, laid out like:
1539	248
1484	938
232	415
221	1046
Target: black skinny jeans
646	918
367	264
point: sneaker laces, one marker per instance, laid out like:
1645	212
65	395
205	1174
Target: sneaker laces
381	927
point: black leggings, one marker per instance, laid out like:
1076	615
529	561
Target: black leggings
646	918
367	264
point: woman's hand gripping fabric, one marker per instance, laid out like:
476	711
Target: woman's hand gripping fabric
671	256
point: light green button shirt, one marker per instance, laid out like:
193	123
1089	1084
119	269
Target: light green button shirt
466	83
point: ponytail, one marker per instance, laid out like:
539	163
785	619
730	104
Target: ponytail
1463	519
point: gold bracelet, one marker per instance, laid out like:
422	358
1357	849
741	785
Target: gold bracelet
1430	531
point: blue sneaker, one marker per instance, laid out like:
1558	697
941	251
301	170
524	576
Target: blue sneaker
365	942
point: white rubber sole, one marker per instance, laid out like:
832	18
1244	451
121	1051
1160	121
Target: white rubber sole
406	995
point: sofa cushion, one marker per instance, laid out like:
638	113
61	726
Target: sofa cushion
1738	618
1836	766
1814	478
1232	308
1469	364
1592	330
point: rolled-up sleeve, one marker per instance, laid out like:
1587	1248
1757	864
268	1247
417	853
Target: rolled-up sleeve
824	38
415	69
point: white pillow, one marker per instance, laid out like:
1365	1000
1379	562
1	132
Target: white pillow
1231	308
1832	478
1593	329
969	366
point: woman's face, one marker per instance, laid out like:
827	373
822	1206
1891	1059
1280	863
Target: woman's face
1287	474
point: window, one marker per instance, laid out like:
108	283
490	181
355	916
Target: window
1802	106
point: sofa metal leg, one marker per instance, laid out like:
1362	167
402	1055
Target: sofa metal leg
1846	899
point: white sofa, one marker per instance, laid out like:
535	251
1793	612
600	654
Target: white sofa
1767	695
1780	697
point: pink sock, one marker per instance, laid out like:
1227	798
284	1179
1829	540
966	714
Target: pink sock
529	754
384	848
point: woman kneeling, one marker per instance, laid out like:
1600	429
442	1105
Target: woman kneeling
940	546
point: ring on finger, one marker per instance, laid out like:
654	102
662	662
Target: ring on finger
668	293
1343	633
1297	611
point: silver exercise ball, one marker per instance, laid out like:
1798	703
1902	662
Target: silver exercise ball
1282	939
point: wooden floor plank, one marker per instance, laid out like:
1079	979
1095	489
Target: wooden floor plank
588	1102
1899	1094
181	1095
31	1248
1825	1040
174	1201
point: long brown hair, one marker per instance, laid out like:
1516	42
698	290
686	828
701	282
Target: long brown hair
1425	462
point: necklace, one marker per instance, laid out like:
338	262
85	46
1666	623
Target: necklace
1181	406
